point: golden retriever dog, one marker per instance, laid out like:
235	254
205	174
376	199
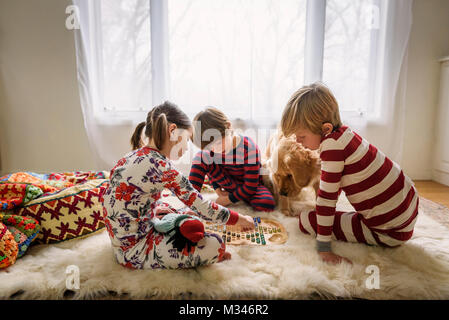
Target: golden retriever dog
290	167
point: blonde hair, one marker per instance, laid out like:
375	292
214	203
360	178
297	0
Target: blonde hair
209	118
310	107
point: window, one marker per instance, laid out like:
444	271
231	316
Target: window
244	56
349	52
126	61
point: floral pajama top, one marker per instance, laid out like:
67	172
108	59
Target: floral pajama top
134	191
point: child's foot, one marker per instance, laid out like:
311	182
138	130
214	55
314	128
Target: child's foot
192	229
226	256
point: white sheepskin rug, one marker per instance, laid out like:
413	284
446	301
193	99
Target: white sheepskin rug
417	270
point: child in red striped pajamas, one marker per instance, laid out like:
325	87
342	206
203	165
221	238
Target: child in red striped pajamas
231	161
385	199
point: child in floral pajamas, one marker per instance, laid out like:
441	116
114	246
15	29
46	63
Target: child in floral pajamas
132	206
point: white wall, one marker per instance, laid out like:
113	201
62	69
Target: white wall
41	125
429	42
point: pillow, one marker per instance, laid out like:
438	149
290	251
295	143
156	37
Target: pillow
70	213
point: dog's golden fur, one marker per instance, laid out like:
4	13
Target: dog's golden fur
291	167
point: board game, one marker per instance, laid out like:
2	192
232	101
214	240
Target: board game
266	232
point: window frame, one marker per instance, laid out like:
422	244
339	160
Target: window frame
313	59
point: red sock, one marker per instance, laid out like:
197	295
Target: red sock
192	230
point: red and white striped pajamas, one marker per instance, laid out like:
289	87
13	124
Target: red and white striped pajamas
385	199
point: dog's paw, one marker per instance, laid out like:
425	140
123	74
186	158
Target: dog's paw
294	213
302	206
286	212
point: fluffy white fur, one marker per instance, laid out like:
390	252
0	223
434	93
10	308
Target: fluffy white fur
417	270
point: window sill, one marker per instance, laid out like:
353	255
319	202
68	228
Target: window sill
363	119
119	118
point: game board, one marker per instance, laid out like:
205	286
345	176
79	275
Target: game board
266	232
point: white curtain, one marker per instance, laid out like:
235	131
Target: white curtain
114	73
243	56
382	123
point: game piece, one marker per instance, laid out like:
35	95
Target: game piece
233	235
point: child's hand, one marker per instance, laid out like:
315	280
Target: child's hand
223	201
221	192
161	211
333	258
190	212
245	223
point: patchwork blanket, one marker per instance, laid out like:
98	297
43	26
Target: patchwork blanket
16	190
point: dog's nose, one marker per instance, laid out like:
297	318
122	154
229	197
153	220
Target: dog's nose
283	193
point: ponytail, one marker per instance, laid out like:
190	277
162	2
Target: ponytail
136	139
157	123
159	131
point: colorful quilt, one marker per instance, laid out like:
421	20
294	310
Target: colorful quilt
16	234
18	188
69	208
23	229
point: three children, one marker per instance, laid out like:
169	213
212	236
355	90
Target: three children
147	233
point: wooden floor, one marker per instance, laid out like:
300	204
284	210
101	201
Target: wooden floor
434	191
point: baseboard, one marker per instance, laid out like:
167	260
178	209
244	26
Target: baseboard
441	177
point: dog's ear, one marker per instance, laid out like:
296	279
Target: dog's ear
299	162
289	156
288	160
296	163
301	155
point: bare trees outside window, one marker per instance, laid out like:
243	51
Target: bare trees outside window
243	56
